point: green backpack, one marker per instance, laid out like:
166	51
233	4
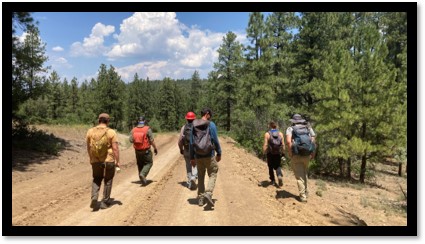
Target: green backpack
99	144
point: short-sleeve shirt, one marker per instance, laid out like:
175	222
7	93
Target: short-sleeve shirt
290	129
150	133
112	136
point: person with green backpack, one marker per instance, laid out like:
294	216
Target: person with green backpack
300	139
102	148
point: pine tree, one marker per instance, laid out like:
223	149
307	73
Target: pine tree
167	99
28	59
228	68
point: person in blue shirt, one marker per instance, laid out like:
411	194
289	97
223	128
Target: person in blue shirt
206	163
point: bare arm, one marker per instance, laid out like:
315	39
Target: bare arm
283	142
266	142
289	144
116	153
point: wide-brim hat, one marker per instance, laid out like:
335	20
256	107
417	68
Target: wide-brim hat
297	119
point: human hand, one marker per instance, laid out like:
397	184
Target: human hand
218	157
181	151
155	151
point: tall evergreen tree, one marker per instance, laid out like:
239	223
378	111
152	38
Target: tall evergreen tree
195	92
228	68
167	99
28	58
110	93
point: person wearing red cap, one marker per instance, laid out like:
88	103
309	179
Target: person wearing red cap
103	168
183	143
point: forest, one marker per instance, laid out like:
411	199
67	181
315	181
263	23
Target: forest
345	72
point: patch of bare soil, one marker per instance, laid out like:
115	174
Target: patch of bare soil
55	191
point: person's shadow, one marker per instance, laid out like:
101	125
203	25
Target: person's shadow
284	194
111	203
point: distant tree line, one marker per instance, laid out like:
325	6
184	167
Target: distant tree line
345	72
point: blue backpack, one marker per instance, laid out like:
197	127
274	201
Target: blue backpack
302	144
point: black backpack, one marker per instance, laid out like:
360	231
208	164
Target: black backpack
275	142
201	137
302	143
186	134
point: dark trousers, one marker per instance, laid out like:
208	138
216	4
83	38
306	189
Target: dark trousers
273	162
102	171
144	162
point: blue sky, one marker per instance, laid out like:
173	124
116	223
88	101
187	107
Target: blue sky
155	45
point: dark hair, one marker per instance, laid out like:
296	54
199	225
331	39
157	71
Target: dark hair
272	124
206	111
103	120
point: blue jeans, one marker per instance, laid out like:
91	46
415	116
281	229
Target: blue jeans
192	173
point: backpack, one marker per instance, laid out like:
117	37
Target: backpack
99	143
302	143
201	137
140	138
275	142
186	133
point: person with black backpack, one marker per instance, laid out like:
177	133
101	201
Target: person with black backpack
274	148
300	139
203	146
183	143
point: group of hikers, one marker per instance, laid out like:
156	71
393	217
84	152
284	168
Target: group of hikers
199	144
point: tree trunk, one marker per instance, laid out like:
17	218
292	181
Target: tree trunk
363	166
341	167
400	171
228	116
348	168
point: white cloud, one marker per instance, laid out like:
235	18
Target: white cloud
57	49
160	44
61	62
93	45
22	37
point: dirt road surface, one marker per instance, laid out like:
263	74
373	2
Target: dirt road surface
55	191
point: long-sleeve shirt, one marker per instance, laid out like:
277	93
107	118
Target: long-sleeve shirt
180	143
214	140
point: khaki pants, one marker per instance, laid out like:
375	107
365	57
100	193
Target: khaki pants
210	166
300	167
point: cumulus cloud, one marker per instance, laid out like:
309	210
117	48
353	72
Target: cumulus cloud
60	62
94	44
176	50
57	49
160	45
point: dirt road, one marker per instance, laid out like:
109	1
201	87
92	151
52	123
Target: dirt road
55	191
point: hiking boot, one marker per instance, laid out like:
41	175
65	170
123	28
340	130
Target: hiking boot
143	180
192	184
201	202
104	205
303	199
209	199
280	181
273	183
93	204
